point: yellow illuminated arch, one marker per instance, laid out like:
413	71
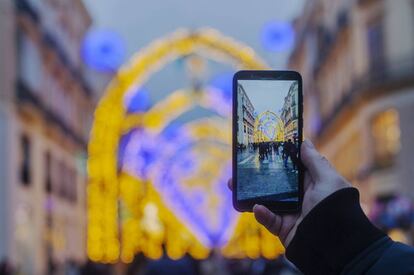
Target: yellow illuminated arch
122	207
278	126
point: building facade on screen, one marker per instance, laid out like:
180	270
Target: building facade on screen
247	112
45	115
357	62
289	113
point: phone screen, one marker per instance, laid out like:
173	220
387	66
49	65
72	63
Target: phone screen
268	140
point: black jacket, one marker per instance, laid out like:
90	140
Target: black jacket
337	238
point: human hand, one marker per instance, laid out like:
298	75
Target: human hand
321	180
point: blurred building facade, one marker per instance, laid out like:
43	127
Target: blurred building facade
46	108
357	61
246	111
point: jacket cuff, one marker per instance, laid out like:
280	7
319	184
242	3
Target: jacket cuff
332	234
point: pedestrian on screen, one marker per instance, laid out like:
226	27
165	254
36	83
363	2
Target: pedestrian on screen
260	151
285	153
276	148
293	154
266	150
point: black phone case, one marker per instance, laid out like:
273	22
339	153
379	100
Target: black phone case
275	206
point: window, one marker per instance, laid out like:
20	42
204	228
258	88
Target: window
55	174
67	182
346	160
25	165
385	128
48	174
30	62
73	185
245	128
62	179
375	38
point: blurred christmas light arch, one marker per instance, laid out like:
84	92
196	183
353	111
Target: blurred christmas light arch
127	213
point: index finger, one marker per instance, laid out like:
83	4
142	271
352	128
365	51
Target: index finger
230	184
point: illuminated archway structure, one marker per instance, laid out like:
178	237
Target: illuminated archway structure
136	207
268	127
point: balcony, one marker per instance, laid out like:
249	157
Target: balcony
25	95
325	42
23	7
328	39
342	20
376	82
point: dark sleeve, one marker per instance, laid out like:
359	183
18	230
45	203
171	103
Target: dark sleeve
336	237
382	258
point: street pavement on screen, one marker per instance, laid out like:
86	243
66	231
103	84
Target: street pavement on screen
266	177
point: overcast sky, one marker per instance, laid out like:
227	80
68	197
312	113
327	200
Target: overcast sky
140	22
266	95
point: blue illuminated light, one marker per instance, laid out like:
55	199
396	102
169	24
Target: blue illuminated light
183	200
103	50
224	83
140	153
277	36
171	159
123	142
139	102
171	132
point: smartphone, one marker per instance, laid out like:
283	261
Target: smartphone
267	135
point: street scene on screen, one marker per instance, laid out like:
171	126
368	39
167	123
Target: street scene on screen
267	140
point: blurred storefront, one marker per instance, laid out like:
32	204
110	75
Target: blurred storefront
357	61
46	108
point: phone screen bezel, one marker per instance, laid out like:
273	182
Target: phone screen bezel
275	206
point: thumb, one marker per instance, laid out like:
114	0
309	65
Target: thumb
268	219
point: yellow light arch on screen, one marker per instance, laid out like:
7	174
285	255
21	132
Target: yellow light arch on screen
105	185
279	128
